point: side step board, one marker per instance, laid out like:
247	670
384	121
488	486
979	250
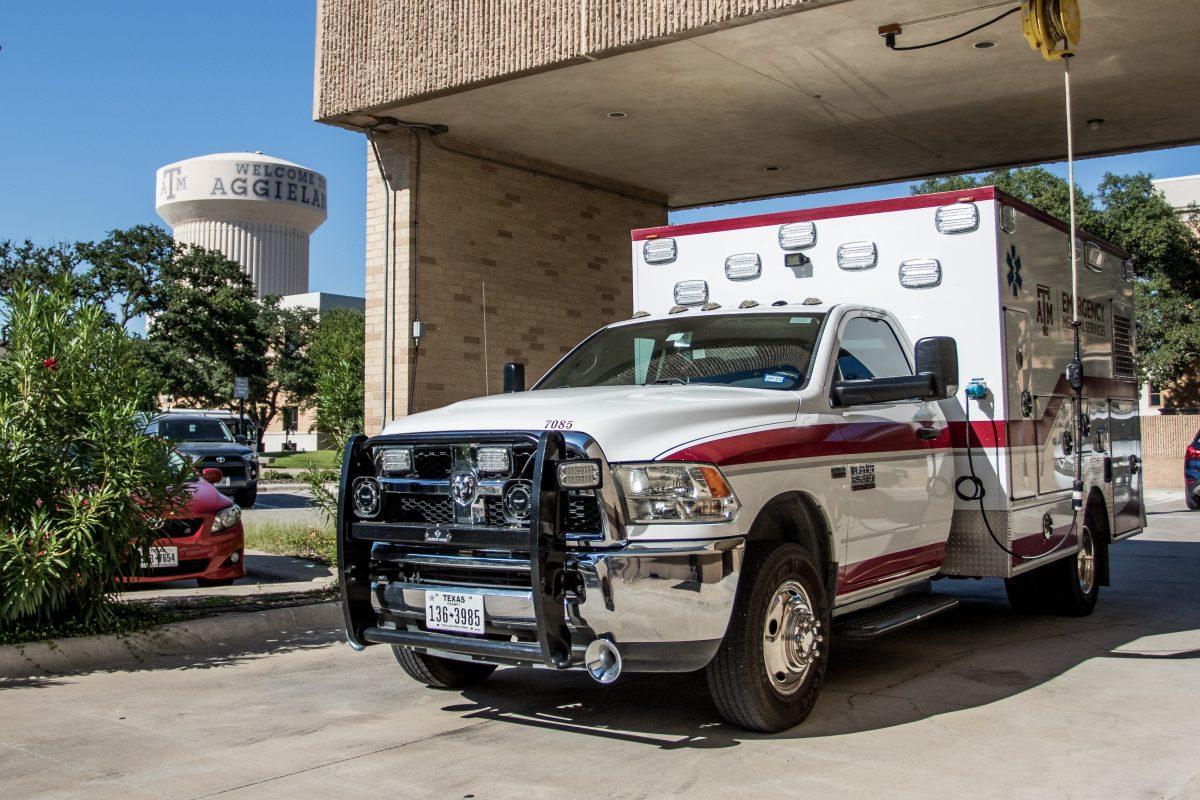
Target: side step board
893	616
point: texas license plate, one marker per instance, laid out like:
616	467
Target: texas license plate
452	611
159	557
223	482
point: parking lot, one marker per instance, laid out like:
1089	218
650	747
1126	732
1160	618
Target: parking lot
979	700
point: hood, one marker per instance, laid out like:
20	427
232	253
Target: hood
629	422
205	499
212	448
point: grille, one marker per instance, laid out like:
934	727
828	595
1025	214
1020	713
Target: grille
583	515
180	528
436	462
187	566
449	575
232	468
433	463
425	510
1123	363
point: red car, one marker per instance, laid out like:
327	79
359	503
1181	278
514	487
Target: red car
203	541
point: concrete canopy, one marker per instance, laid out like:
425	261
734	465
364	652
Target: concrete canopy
815	93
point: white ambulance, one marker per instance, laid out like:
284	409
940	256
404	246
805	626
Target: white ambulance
811	417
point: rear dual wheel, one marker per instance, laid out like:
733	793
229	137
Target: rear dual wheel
1069	586
770	667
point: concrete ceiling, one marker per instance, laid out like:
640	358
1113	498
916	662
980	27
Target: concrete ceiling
817	95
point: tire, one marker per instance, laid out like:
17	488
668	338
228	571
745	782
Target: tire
1192	500
441	673
1067	587
739	676
205	583
246	497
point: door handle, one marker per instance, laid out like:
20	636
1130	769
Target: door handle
928	434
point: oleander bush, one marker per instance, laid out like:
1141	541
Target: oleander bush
81	488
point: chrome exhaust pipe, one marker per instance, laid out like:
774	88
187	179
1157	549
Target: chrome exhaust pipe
603	661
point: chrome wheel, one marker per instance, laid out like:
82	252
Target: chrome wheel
791	637
1085	561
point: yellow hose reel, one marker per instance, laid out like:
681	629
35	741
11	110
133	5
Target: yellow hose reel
1049	23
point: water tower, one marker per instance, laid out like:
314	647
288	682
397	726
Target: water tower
257	210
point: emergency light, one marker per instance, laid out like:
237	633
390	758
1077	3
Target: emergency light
920	273
492	460
958	218
857	255
743	267
395	460
659	251
691	293
797	235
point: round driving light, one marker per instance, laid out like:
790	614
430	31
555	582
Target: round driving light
235	557
367	495
518	501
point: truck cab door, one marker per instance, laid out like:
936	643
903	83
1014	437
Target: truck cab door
898	459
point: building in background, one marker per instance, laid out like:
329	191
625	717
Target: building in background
1183	194
260	212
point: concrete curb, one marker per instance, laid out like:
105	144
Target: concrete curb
224	633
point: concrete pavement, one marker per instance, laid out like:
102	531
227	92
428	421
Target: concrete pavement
978	702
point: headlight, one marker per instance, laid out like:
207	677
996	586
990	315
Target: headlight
675	492
252	455
226	518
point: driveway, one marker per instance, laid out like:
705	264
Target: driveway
976	703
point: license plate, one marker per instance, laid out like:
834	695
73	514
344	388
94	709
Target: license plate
158	557
223	482
453	611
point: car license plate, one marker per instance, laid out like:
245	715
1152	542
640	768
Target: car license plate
159	557
223	482
454	611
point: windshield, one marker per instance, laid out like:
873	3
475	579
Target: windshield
759	351
194	430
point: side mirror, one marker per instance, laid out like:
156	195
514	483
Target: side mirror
211	474
937	356
514	377
241	439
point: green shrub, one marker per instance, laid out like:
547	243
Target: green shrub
80	486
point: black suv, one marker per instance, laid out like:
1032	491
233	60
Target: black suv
208	442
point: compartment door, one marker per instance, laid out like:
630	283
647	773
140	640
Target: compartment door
1022	444
1124	430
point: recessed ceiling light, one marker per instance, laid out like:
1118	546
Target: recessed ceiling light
1094	124
616	115
771	168
986	44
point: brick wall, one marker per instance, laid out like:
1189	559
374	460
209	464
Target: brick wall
550	256
1164	438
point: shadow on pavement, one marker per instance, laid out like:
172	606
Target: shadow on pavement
978	654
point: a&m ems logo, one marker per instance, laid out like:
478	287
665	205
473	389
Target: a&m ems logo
1014	269
1045	309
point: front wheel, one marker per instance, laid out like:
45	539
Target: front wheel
441	673
1192	499
769	669
245	497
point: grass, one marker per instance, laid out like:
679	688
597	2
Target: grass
321	459
296	539
123	618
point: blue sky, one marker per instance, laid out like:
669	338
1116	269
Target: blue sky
96	96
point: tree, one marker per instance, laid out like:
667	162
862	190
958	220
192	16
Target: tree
1129	212
208	330
288	377
80	484
338	353
127	269
27	264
